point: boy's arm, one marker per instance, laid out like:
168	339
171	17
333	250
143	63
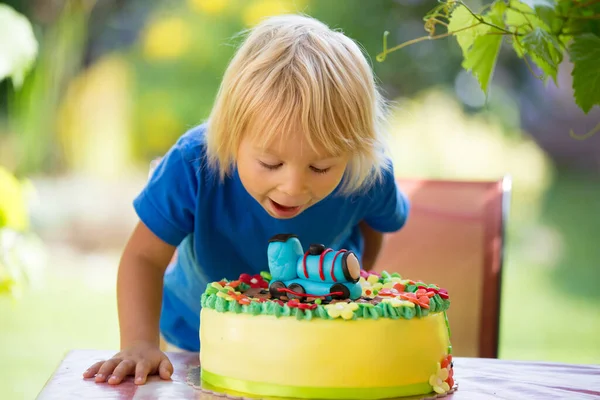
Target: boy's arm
372	245
140	285
139	298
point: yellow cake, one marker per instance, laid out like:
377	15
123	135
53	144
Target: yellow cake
390	339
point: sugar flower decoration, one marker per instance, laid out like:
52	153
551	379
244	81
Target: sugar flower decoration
438	380
442	381
344	310
254	281
370	287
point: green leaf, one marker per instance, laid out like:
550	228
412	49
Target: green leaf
522	17
550	18
499	7
461	18
18	46
495	15
585	56
541	14
481	58
544	50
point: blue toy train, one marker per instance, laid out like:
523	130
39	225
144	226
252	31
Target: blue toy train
318	272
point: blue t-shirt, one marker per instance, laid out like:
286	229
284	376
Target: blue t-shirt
221	232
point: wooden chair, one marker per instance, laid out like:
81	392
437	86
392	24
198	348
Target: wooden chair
454	237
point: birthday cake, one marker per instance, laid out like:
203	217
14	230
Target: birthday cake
318	326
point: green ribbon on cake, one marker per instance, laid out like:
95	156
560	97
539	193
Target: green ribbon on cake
219	383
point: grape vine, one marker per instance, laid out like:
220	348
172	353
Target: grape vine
541	32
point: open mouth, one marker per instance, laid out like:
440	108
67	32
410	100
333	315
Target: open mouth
284	211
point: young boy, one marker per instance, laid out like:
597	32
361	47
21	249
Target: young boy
294	144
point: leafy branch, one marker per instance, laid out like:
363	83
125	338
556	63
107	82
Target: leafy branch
541	32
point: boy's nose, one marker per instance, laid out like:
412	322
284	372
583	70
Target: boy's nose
295	184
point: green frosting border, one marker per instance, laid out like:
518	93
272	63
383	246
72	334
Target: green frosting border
211	300
215	382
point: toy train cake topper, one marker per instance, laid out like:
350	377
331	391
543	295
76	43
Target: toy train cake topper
319	272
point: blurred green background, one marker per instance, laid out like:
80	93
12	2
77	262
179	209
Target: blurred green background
116	82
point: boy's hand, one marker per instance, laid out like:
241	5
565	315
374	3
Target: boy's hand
139	360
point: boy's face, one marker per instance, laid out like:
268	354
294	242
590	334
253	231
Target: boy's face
288	176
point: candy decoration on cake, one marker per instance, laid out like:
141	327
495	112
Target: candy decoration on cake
443	380
255	281
318	272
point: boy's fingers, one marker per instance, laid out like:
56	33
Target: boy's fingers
165	369
106	369
124	368
91	371
141	372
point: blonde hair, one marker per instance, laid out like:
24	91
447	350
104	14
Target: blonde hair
293	71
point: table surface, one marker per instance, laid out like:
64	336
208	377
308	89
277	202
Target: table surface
477	378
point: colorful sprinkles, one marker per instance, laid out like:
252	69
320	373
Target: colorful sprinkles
383	296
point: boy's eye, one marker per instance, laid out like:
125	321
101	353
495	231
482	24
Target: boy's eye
270	166
319	170
276	166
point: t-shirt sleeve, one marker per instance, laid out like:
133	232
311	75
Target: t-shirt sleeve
167	204
387	206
